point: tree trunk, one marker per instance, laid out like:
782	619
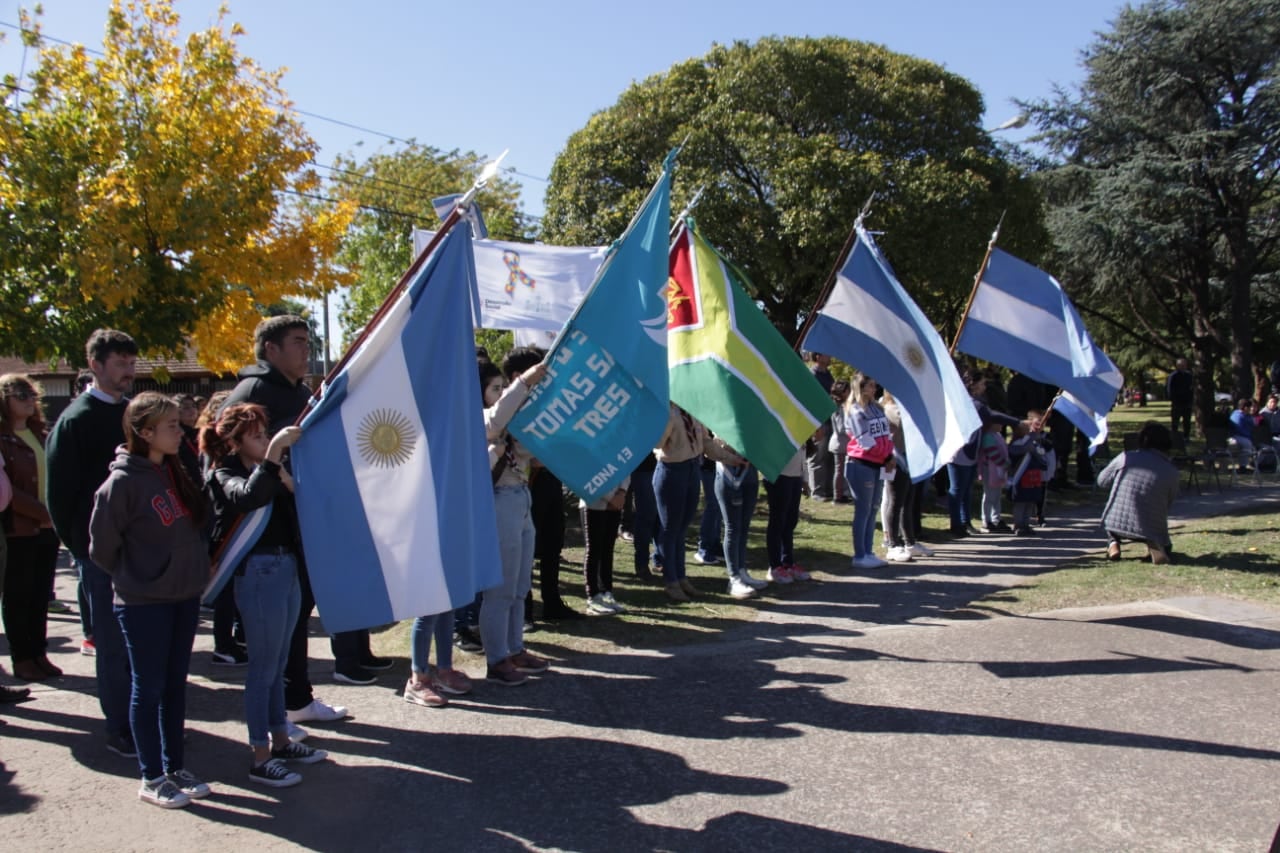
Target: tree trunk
1203	357
1242	384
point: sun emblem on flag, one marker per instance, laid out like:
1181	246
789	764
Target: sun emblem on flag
385	438
914	356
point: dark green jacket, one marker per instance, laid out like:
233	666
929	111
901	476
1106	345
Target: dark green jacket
81	447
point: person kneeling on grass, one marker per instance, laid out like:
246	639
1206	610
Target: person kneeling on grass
1143	483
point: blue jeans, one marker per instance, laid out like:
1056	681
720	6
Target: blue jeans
675	484
865	487
112	659
159	639
784	514
961	479
710	531
737	501
502	609
425	629
645	527
269	597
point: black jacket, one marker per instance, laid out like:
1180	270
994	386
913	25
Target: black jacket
262	384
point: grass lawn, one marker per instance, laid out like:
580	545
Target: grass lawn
1236	556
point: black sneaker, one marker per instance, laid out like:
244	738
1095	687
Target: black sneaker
357	675
122	745
300	753
9	695
274	774
234	657
378	664
468	640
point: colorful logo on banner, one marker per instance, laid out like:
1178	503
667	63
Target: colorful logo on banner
515	274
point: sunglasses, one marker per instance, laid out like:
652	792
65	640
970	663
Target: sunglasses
24	394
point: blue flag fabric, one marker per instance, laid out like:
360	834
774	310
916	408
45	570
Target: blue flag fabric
604	403
870	322
392	472
244	534
1089	422
1021	318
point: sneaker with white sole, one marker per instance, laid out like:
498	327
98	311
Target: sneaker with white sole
779	574
296	733
899	554
163	793
317	711
799	574
919	550
607	598
274	774
868	561
451	681
418	693
597	607
754	583
188	784
738	589
299	752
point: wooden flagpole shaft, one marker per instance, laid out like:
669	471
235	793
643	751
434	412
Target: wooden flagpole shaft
977	279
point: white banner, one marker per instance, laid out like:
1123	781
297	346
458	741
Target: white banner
527	286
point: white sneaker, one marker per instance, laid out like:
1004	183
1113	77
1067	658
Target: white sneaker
597	607
297	734
779	574
754	583
317	711
918	550
899	554
607	598
868	561
739	589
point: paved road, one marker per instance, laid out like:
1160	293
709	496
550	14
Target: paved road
854	714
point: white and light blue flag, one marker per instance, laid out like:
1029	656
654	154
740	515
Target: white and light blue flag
1089	422
604	403
1021	318
870	322
392	476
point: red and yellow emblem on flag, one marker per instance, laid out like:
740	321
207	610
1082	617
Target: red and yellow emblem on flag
729	367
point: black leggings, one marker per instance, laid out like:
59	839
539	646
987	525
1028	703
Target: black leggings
601	528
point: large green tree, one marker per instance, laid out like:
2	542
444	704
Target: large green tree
151	189
790	136
394	191
1162	186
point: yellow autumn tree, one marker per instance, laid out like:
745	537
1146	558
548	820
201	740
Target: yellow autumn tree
158	189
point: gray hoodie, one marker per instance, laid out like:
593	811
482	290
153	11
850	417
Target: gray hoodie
141	534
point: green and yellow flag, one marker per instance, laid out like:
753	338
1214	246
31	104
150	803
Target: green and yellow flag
730	368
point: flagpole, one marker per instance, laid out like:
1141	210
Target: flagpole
835	272
684	214
410	274
977	279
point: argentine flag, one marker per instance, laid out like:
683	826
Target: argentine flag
391	472
1021	318
870	322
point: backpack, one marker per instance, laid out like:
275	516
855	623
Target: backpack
1266	460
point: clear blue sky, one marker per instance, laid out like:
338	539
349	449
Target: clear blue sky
485	77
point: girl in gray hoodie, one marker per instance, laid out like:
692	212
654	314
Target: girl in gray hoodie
146	533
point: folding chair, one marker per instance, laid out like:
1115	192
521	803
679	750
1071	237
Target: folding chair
1218	451
1186	462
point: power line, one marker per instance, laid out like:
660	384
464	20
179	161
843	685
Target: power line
317	116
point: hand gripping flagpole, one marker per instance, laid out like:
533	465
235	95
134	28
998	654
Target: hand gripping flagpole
977	279
835	272
455	215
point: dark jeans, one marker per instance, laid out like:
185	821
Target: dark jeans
709	535
225	616
820	467
600	530
26	593
675	485
961	484
784	514
646	529
159	639
1180	414
112	658
350	648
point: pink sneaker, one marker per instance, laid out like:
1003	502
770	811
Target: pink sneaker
779	574
799	574
450	681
